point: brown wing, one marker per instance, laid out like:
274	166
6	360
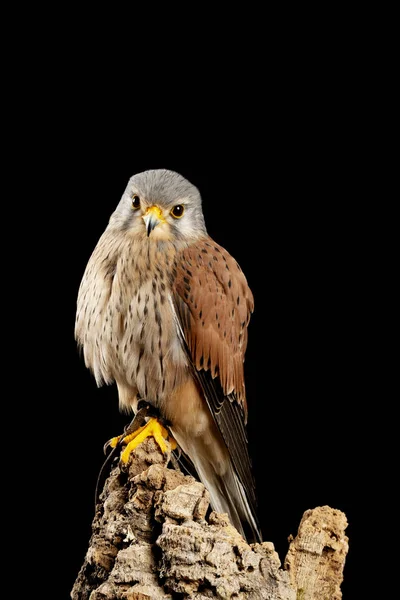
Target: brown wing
214	289
213	303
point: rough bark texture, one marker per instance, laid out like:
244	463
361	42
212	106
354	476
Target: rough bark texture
316	556
152	539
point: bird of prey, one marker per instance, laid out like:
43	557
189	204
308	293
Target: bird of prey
163	311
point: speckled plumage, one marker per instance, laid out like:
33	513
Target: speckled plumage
163	312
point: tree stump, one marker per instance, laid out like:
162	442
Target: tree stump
154	537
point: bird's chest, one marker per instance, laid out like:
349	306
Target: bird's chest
131	337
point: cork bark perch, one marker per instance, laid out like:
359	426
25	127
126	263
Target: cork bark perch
153	537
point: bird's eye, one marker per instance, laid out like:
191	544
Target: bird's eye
177	211
135	201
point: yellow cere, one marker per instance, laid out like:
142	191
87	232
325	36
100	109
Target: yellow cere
156	211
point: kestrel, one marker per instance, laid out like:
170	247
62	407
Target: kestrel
163	312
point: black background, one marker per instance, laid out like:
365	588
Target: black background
282	160
282	210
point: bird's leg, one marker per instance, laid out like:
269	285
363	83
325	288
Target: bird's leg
135	434
138	420
152	428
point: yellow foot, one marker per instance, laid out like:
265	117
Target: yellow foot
152	427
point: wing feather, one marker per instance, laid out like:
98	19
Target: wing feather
220	303
213	304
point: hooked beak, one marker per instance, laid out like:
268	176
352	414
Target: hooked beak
152	217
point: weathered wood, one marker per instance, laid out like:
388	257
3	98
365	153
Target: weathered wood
316	556
153	537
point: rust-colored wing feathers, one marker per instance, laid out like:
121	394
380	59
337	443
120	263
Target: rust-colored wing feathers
213	304
214	289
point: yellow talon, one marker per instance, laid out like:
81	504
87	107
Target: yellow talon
114	441
152	427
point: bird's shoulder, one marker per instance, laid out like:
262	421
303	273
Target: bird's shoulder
214	302
209	268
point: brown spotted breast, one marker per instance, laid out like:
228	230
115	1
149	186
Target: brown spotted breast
125	321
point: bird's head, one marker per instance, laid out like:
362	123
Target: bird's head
160	205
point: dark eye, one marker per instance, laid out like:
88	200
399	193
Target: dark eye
135	202
177	211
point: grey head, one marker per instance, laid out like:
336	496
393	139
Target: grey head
160	205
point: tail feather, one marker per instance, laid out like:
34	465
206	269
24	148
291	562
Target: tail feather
227	494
